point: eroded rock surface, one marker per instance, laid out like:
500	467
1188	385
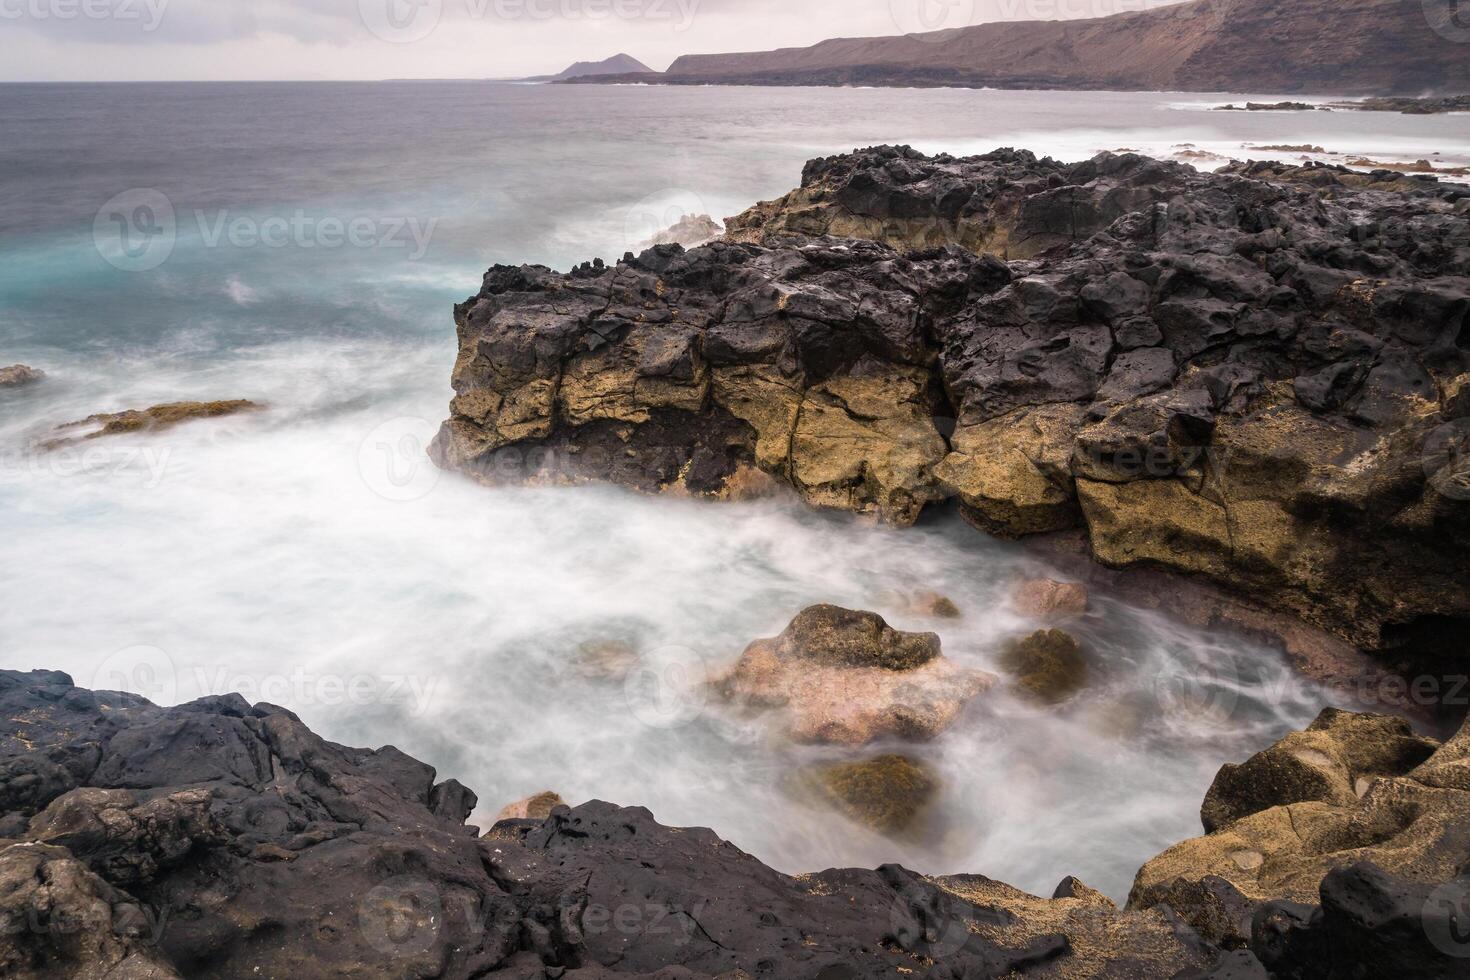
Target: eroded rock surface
1292	821
1259	376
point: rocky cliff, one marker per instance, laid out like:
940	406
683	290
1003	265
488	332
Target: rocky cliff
224	840
1376	47
1260	377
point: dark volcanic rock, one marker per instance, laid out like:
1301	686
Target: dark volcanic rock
218	839
1258	376
1370	924
250	839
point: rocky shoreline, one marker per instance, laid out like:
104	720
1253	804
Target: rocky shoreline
221	839
1242	395
1256	378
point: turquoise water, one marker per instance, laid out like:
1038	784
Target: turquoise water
169	242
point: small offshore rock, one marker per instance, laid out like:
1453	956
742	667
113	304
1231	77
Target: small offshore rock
843	677
156	419
536	807
18	376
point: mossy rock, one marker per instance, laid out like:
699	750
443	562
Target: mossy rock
843	638
1048	665
888	794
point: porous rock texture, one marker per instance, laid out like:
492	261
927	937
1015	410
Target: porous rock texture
220	839
1260	376
844	677
1288	824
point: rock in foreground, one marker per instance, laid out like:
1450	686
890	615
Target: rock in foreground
1259	376
224	840
1350	789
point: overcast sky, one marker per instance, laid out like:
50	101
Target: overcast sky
52	40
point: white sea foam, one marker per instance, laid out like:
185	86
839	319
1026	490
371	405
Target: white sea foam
310	555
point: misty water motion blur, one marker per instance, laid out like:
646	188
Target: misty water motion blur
310	555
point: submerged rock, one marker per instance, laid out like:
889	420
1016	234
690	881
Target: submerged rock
1049	599
1048	665
18	376
934	606
1248	376
889	794
848	678
606	660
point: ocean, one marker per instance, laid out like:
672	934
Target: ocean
301	245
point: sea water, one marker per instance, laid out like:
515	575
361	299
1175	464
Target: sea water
301	245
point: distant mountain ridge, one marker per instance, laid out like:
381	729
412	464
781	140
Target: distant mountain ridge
1339	47
618	64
